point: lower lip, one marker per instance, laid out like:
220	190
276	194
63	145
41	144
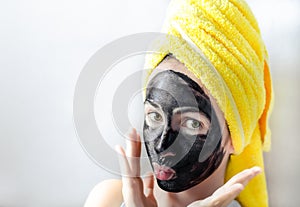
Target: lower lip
163	172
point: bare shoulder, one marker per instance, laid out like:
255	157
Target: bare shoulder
107	193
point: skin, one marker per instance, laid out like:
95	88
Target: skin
138	192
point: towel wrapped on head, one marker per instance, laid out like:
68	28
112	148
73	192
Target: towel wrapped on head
224	35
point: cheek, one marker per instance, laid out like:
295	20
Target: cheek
186	144
192	148
151	134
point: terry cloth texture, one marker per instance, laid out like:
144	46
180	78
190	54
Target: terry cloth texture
219	41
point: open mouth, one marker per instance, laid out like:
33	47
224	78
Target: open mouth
163	172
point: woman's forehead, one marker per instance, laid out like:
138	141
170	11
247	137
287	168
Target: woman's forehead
173	89
171	63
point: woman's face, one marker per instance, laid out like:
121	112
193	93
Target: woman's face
182	130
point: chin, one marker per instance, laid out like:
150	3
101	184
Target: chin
175	186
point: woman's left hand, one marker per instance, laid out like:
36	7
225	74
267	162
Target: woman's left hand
229	191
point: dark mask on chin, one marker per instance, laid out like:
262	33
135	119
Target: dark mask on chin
181	153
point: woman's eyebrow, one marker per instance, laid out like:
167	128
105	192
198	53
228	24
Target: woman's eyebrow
183	110
186	109
148	101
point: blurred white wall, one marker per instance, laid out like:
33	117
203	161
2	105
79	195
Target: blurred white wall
280	27
43	47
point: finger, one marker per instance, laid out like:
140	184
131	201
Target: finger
244	177
132	188
133	144
130	181
133	151
219	199
224	196
149	184
123	162
228	192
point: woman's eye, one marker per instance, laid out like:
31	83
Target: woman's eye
192	124
154	116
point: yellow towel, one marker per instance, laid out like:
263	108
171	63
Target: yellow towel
225	33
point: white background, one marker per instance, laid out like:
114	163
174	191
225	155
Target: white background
43	47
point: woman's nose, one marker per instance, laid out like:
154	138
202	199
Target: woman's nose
165	140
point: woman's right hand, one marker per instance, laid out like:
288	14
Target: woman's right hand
136	191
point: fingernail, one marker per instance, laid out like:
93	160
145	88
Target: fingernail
256	169
118	149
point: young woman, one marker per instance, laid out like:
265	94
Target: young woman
201	128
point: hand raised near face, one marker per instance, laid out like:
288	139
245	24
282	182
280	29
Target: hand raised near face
136	192
229	191
139	193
